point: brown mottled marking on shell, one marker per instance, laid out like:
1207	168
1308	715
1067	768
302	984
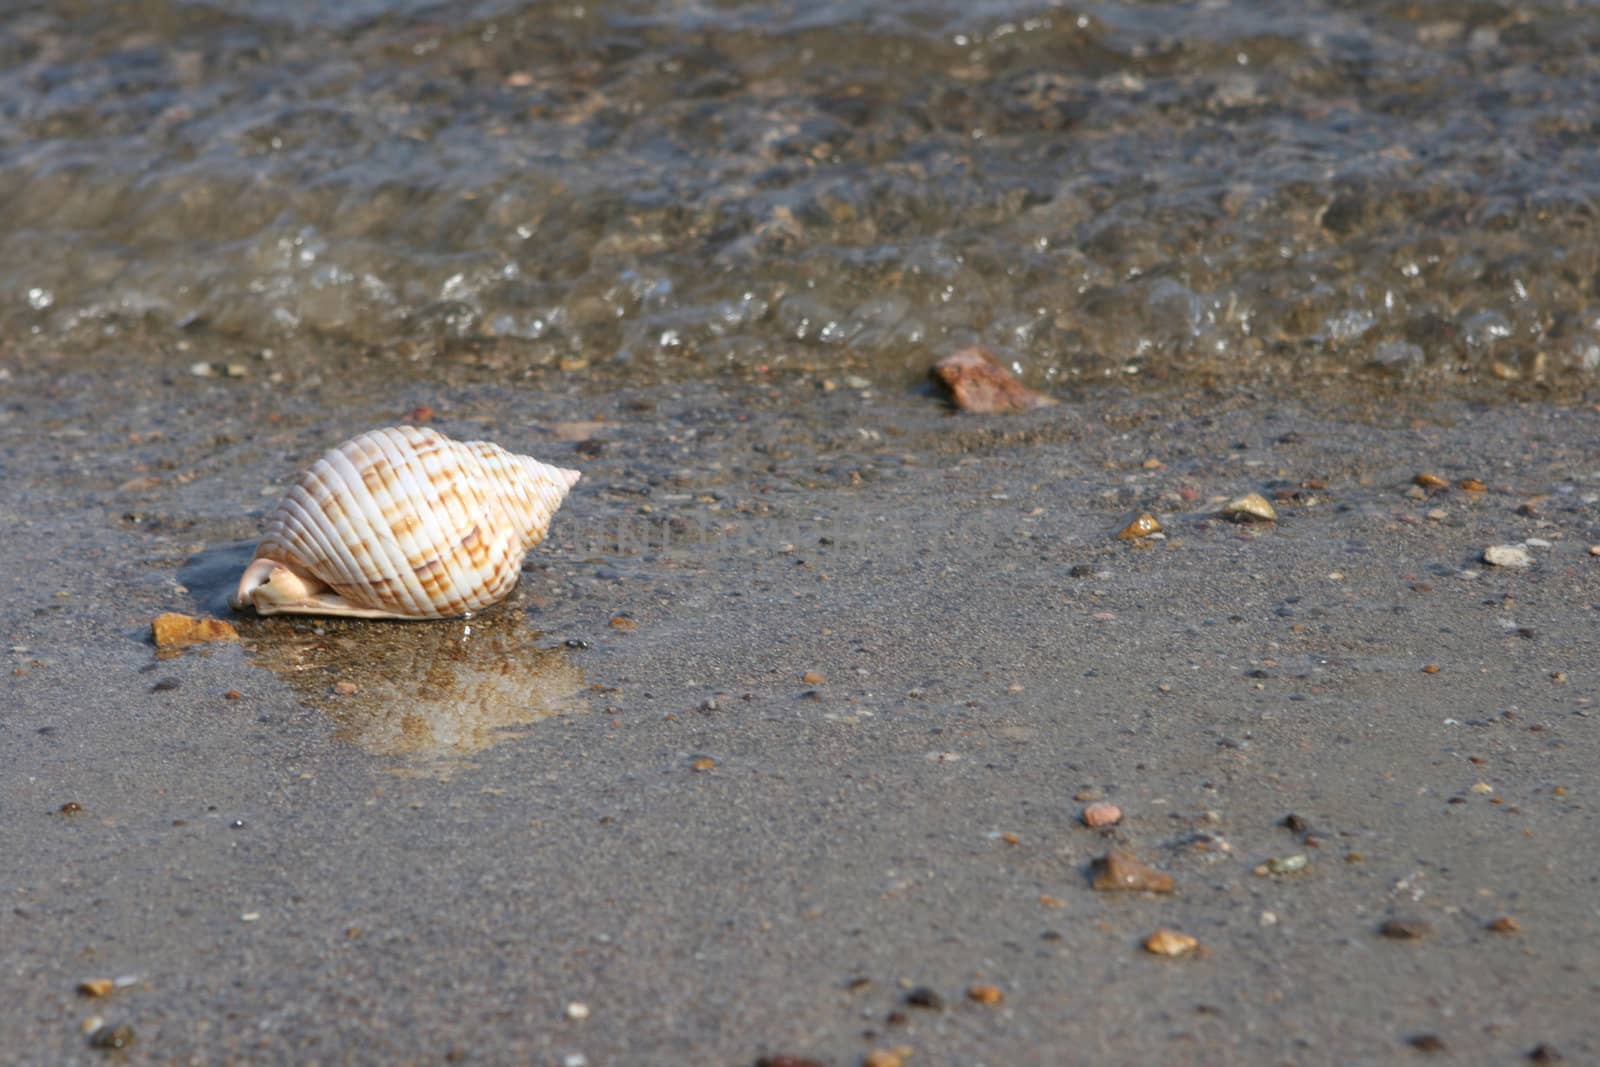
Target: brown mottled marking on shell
408	521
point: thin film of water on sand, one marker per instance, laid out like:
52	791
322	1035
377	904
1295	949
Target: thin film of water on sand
428	697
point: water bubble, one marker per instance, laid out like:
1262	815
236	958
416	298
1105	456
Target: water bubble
832	333
1348	325
39	299
1485	328
1400	357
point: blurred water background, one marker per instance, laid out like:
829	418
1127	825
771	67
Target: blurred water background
1279	189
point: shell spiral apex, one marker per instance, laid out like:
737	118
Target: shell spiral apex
403	523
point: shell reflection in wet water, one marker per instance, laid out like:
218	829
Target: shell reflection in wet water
403	523
429	698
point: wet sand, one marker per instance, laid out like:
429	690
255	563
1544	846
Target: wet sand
660	818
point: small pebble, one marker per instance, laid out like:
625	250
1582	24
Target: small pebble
622	622
1120	871
346	689
577	1011
1283	864
71	807
112	1037
813	678
1166	942
174	630
1252	507
1405	929
925	997
1143	526
1514	556
1426	1043
1431	482
704	764
1543	1053
985	994
1505	924
1101	813
1471	485
980	383
96	987
885	1057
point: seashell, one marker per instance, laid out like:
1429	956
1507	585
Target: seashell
403	523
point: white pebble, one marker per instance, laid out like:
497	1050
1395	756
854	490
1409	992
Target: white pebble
1515	556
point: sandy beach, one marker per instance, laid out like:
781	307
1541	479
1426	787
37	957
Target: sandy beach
796	714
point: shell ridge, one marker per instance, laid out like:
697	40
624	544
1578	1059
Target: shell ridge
413	546
492	525
418	487
324	551
304	538
410	548
474	511
537	490
376	541
452	513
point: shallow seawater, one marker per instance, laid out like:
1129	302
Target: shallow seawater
1122	190
428	696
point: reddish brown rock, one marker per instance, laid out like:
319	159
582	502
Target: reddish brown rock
1118	870
1101	813
980	383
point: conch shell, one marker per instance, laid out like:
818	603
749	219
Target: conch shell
403	523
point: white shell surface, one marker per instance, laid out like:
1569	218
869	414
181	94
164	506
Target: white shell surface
406	522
